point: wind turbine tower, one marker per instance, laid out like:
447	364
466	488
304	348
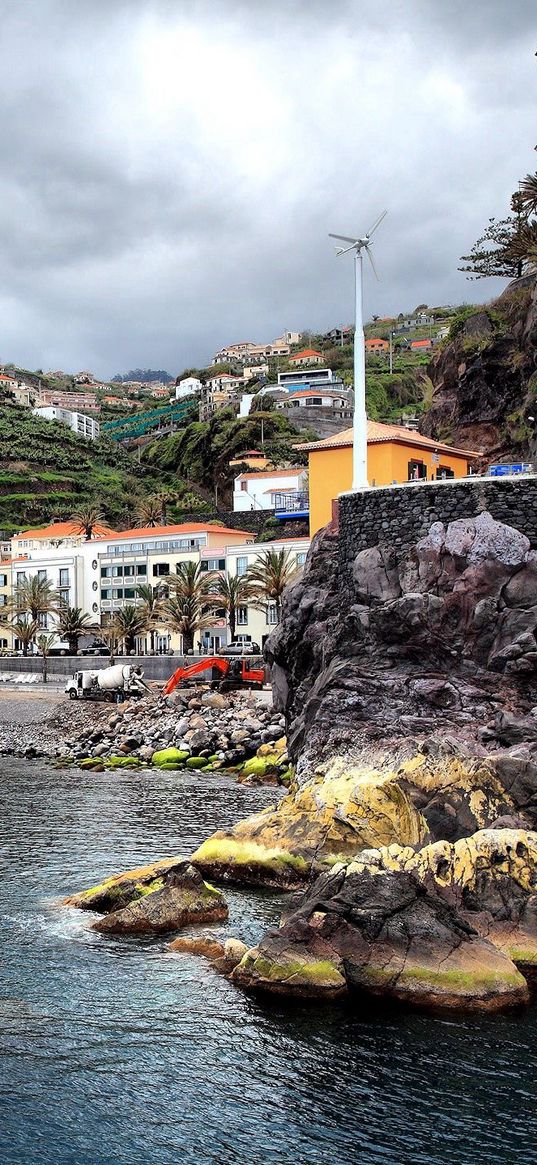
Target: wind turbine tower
359	452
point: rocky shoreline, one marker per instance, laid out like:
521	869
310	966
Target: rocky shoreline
409	832
195	729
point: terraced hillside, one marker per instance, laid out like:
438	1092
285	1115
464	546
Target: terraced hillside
46	472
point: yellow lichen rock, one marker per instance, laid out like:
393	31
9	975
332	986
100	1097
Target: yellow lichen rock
490	876
330	818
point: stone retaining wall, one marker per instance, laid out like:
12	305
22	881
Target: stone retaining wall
154	667
397	516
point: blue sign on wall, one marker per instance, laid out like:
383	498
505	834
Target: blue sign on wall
508	470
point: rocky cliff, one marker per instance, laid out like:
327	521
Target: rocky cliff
485	378
411	706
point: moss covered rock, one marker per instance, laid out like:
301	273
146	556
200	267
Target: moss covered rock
170	758
384	934
183	898
331	818
197	762
120	889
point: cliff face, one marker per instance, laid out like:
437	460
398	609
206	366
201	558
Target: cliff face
440	639
485	379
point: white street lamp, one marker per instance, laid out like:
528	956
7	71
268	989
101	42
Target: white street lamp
359	453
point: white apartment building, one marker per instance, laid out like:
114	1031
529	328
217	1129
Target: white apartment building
190	386
259	490
80	423
101	576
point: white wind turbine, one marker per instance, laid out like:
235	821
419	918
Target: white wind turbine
359	455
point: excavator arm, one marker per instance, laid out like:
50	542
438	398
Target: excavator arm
195	669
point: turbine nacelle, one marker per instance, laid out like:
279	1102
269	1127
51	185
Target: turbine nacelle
360	244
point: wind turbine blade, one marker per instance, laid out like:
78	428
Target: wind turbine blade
343	238
371	260
344	250
377	223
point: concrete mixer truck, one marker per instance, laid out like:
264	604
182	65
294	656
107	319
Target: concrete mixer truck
119	682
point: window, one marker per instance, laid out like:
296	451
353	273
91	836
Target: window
417	471
443	472
242	616
42	620
128	571
3	580
141	569
213	564
160	569
117	594
106	594
272	615
64	598
21	577
242	565
64	577
129	593
117	571
106	571
42	575
244	485
3	600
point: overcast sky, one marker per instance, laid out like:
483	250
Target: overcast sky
171	168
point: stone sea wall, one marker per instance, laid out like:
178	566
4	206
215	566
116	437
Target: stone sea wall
398	516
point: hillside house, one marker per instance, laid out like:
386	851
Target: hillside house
306	358
421	345
80	423
190	386
376	344
257	490
395	455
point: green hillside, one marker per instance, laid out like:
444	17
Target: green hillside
46	472
201	451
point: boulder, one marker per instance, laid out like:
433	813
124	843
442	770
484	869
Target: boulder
170	757
181	899
385	934
330	818
120	889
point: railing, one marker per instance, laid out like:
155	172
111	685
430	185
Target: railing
291	503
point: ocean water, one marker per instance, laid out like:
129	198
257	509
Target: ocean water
118	1052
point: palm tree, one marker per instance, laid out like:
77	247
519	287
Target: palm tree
269	576
87	518
232	591
72	624
528	193
150	511
25	630
44	645
127	624
185	609
150	607
37	597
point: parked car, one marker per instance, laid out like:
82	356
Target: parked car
241	647
95	648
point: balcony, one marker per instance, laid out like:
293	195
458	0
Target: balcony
291	505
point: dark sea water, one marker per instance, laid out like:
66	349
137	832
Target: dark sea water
120	1053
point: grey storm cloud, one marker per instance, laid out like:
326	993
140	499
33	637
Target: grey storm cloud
171	170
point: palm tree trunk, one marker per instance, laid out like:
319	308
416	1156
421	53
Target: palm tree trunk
188	642
44	669
232	620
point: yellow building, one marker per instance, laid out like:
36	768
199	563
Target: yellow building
394	455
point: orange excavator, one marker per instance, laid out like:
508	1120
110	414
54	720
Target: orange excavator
224	674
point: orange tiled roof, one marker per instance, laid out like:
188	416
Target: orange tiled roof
62	530
321	391
378	432
183	528
305	352
295	469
